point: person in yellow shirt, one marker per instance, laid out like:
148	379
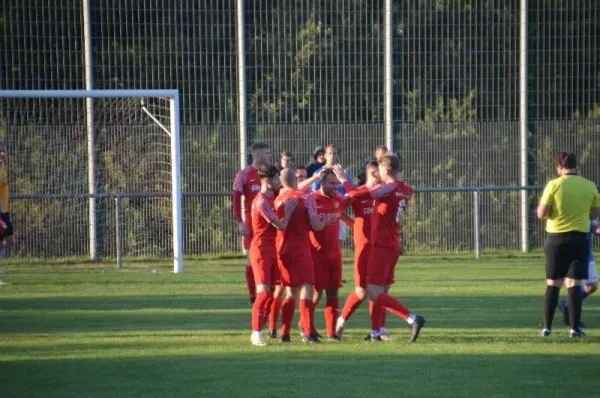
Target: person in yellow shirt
568	203
7	234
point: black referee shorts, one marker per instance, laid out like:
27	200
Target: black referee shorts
567	255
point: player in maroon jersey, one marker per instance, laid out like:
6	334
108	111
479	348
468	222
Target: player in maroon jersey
294	255
325	246
262	253
247	184
363	212
304	184
391	198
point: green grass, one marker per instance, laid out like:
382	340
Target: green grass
72	328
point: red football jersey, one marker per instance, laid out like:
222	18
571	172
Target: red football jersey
391	200
363	214
248	183
263	214
295	237
326	241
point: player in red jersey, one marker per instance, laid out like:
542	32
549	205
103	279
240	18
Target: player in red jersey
325	247
391	198
294	255
363	212
247	184
304	184
262	253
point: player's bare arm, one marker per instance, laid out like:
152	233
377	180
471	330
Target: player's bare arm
543	211
306	184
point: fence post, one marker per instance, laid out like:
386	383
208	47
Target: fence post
477	219
91	146
388	83
118	234
523	131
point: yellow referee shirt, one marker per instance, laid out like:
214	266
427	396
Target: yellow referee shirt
4	189
570	198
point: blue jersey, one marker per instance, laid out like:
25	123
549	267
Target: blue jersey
317	184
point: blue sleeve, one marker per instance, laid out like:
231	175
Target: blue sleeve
315	186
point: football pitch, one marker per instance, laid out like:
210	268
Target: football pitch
70	328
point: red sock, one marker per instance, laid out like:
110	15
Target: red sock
375	310
382	320
267	309
274	313
392	305
258	311
250	282
352	304
306	307
331	314
287	314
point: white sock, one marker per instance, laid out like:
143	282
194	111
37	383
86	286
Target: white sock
374	333
256	333
340	322
411	318
382	330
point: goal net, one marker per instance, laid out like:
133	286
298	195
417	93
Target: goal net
97	171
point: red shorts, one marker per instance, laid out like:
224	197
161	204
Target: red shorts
328	272
265	270
361	260
246	240
296	268
382	262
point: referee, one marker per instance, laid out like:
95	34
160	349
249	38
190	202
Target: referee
567	204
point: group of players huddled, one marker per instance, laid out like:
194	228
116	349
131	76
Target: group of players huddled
290	223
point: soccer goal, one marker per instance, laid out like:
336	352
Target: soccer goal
95	172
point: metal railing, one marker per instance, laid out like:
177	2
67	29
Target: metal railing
201	236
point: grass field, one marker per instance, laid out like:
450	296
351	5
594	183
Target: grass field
76	329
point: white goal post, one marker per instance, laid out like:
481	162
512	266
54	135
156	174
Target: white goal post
173	130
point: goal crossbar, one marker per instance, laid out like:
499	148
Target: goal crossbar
173	96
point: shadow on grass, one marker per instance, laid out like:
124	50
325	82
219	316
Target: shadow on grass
227	312
308	372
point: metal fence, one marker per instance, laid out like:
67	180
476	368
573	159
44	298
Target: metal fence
471	93
484	225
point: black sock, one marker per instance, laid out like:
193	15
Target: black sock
550	303
574	300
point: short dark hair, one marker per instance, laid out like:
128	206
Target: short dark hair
286	153
324	174
267	171
566	160
390	162
372	163
299	167
381	147
258	145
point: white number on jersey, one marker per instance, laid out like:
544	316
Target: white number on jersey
401	207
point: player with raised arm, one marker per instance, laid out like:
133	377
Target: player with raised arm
304	184
326	249
363	212
262	253
391	198
294	255
247	184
